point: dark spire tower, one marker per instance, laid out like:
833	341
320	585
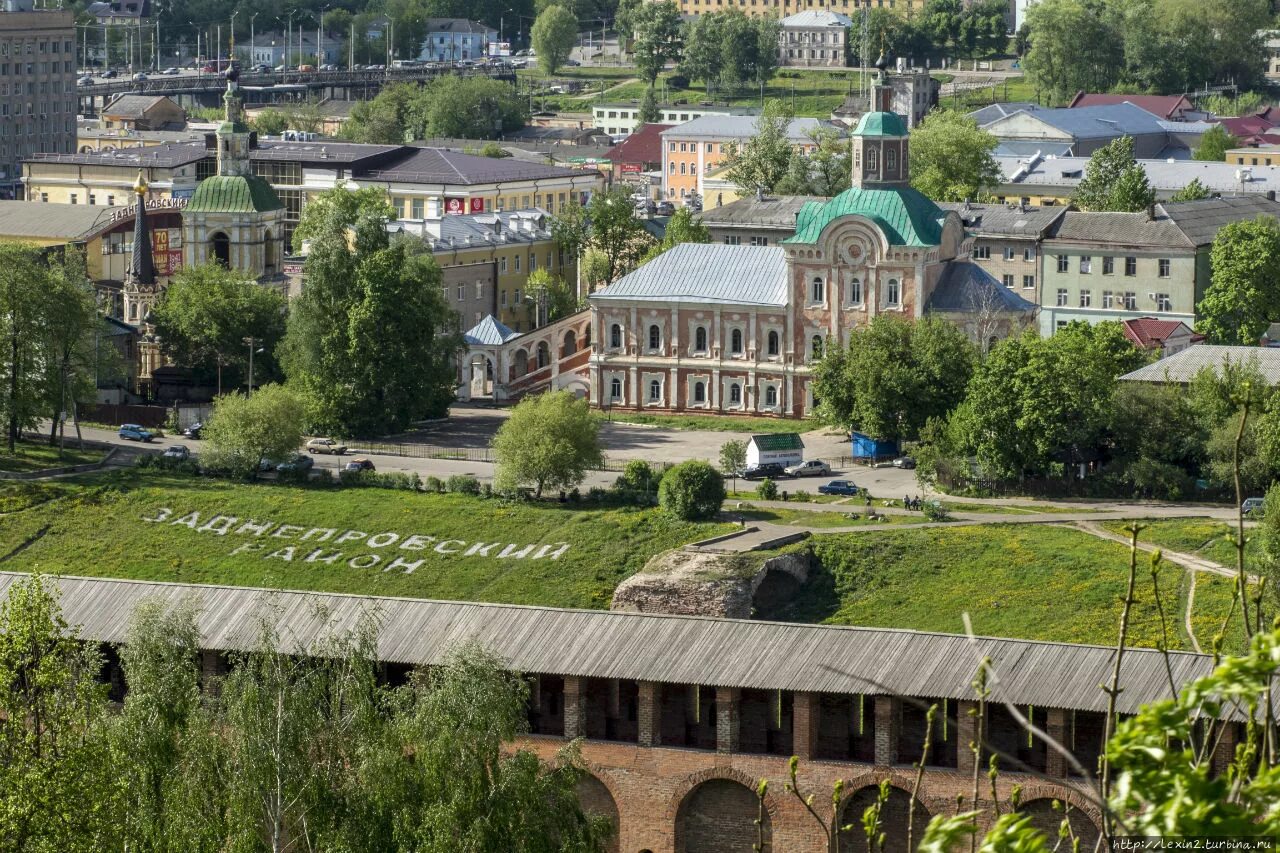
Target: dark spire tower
142	268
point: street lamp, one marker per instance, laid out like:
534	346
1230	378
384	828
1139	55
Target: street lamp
251	36
231	57
319	28
252	343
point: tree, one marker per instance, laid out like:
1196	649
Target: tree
1214	144
1114	181
894	375
684	226
1193	191
70	357
692	491
207	312
549	441
554	34
615	233
371	341
760	164
657	37
649	112
269	122
1075	46
244	429
450	106
733	458
549	298
951	158
1243	296
825	171
1245	103
24	276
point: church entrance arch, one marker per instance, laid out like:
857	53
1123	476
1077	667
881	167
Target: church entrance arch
220	249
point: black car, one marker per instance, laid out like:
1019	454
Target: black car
666	208
772	470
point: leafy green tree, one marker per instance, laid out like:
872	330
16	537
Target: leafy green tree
473	107
24	277
657	37
1214	144
554	34
371	341
894	375
951	158
1075	46
1224	105
692	490
1243	296
550	298
733	458
1114	181
684	226
1158	421
270	122
550	441
615	233
825	171
383	120
71	357
762	163
206	313
1193	191
243	429
649	111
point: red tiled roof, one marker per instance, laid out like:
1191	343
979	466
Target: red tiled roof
1149	332
644	145
1163	106
1246	125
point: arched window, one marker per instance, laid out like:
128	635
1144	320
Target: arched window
894	295
655	390
655	337
816	290
772	344
771	395
269	254
873	160
615	389
700	339
855	291
699	392
857	157
570	343
891	160
815	347
615	337
221	246
735	394
735	341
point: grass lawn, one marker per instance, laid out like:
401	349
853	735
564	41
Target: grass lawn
96	526
35	455
809	518
1202	537
1010	509
1008	90
712	423
1045	583
747	493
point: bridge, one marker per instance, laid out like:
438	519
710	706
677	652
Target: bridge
274	87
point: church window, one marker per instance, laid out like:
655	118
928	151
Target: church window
615	389
615	336
700	339
771	395
699	392
735	394
735	342
817	292
655	391
655	337
855	291
891	161
772	345
872	160
815	347
894	295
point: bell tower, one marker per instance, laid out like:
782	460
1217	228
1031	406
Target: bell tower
879	142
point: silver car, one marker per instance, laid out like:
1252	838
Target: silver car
809	468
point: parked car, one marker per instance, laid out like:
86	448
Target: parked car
282	67
772	470
359	464
1251	506
326	445
194	431
666	208
572	63
328	66
86	80
809	468
297	463
178	452
904	462
838	487
263	68
172	71
133	432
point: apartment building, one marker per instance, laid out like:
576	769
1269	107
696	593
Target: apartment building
814	38
1007	241
37	87
783	8
623	119
692	150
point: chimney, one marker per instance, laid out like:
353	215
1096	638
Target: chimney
1271	195
1151	212
759	193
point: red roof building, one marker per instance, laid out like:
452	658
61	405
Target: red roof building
1168	107
1163	336
639	152
1245	127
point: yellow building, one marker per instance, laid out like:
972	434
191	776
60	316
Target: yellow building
107	177
783	8
1263	155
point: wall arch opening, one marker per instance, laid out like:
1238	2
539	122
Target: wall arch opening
1047	820
220	247
718	816
893	820
596	800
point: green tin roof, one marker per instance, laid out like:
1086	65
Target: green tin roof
778	441
233	194
906	217
880	124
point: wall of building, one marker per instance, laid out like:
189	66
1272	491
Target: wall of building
812	47
783	8
37	89
109	184
1179	285
1015	263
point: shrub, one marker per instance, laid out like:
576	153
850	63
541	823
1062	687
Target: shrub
1151	478
767	490
433	484
637	476
463	484
801	495
935	511
692	491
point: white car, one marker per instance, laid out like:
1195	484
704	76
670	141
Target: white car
809	468
326	445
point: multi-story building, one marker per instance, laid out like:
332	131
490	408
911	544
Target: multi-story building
1272	44
814	38
783	8
280	48
143	112
755	220
453	39
622	119
1007	241
37	87
106	176
690	151
1121	266
1261	155
1079	131
915	93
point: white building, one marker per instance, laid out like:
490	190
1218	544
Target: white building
454	39
271	49
814	37
623	119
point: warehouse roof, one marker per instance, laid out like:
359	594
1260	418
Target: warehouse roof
39	220
439	165
776	212
647	647
1165	176
1182	367
707	273
740	127
1005	220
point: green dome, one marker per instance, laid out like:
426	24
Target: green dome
880	124
906	217
234	194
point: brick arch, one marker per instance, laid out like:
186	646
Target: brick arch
686	785
717	814
598	799
1044	818
1068	795
893	821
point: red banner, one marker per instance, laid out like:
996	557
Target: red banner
626	168
454	206
477	205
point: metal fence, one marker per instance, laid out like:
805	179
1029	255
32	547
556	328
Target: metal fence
460	454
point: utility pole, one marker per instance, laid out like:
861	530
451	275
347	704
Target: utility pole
252	343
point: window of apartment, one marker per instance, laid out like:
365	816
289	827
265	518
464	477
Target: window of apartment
1108	265
1130	266
1008	253
533	262
1086	298
460	293
673	146
894	294
655	337
1086	265
1163	302
816	290
683	166
1028	255
1164	267
759	241
655	390
1130	301
981	253
683	146
503	298
732	240
855	291
111	200
615	389
671	168
709	144
418	208
502	264
1007	278
1028	281
771	347
1108	299
73	198
1062	296
1063	260
93	199
479	290
517	260
735	394
44	197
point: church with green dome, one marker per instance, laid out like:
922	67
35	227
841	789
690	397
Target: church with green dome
738	329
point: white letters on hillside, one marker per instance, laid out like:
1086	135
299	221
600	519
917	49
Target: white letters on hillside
219	524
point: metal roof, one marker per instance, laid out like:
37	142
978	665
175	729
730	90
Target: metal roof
1003	220
1201	220
488	332
134	106
993	112
880	124
1182	366
1164	106
816	18
707	273
439	165
40	220
1101	122
166	156
233	194
965	287
771	212
647	647
741	127
1128	229
1165	176
778	441
906	217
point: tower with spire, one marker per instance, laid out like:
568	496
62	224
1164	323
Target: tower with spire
141	287
879	142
